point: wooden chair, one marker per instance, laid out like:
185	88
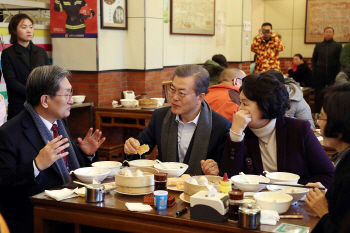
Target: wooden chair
111	152
166	86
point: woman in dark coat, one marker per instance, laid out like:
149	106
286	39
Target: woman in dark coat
303	73
334	120
263	139
19	60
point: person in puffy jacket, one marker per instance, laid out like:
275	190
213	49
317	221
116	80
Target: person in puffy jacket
299	108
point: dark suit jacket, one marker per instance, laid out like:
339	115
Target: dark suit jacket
20	143
151	135
16	70
338	197
298	152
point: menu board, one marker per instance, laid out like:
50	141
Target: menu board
192	17
331	13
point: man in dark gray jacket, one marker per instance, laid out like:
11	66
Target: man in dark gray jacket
325	64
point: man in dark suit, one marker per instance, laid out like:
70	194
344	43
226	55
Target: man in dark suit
36	149
188	131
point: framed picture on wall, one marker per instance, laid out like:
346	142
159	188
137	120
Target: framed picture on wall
192	17
331	13
114	14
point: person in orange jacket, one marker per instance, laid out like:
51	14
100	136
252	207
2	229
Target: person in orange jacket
223	98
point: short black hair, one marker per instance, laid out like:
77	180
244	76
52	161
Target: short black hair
336	104
298	55
327	28
44	80
267	24
15	20
220	59
270	94
201	76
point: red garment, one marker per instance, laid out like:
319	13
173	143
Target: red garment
55	135
219	100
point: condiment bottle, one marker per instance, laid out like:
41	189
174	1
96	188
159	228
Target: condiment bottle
160	181
235	201
225	185
249	216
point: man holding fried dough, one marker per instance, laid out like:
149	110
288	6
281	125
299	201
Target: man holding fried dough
188	131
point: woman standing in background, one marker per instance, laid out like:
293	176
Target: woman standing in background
19	60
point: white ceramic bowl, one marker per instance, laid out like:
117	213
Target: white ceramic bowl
176	169
142	163
296	193
78	99
85	174
276	177
114	166
128	103
278	201
160	101
244	186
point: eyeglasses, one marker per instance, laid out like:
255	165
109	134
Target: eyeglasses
318	118
69	95
173	91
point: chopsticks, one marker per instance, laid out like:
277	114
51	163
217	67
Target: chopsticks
296	186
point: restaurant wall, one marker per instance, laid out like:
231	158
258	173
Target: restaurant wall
288	19
181	49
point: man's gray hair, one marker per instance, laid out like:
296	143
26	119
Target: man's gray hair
200	75
44	80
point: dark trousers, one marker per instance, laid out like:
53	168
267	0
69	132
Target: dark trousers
320	85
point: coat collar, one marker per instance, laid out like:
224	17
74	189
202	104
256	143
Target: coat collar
22	56
252	142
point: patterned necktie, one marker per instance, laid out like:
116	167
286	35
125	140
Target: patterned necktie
55	135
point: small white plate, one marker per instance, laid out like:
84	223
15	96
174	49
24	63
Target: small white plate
174	188
183	198
117	106
80	191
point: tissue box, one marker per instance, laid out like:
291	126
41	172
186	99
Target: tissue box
149	200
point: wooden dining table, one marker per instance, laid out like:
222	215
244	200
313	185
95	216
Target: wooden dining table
113	214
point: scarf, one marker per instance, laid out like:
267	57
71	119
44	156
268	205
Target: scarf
46	135
200	141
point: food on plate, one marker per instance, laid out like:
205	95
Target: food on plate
143	149
202	180
193	181
180	186
127	173
94	172
138	173
181	180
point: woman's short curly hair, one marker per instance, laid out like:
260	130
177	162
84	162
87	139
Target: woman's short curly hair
336	104
270	94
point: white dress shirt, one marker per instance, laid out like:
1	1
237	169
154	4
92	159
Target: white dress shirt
184	135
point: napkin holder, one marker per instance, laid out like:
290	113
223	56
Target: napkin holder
209	208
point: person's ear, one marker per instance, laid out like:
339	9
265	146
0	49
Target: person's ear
44	101
201	97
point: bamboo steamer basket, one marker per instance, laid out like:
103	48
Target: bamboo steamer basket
148	103
191	189
135	182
